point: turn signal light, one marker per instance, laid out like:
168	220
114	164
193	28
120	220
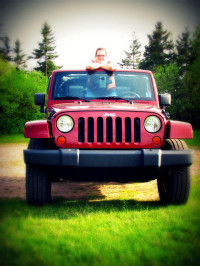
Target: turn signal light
156	140
61	140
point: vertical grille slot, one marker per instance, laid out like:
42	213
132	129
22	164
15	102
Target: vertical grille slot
137	135
109	129
81	130
127	129
90	129
99	129
118	129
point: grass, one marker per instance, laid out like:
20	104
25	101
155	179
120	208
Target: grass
103	232
14	138
195	142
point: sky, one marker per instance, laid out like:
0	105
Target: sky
81	26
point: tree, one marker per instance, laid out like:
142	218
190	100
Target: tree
19	58
46	51
5	49
168	80
133	55
191	81
160	50
184	88
46	67
17	89
184	55
196	43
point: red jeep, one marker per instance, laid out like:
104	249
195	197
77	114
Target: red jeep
106	126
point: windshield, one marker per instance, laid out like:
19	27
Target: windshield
100	84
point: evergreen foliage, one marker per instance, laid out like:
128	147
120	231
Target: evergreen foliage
19	58
132	58
46	51
184	55
17	90
182	79
167	81
160	50
5	49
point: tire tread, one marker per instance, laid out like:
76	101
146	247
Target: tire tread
38	184
174	184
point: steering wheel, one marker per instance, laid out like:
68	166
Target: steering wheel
128	94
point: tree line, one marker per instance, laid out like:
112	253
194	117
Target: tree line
176	68
45	53
18	86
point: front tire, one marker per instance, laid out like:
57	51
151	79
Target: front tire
38	183
38	186
174	183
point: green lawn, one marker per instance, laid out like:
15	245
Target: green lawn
104	232
195	142
15	138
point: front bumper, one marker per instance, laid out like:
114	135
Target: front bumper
109	158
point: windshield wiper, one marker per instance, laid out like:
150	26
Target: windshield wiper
72	98
114	98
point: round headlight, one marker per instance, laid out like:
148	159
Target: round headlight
65	123
152	124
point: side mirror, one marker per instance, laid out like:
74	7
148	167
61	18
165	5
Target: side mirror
164	100
40	101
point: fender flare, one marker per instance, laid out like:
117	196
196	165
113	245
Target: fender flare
179	130
37	129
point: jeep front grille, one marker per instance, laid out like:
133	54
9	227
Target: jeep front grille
108	130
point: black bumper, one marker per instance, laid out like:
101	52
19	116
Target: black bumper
109	158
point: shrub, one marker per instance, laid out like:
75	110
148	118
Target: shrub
17	89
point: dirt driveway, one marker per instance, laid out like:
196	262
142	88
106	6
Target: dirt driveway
12	181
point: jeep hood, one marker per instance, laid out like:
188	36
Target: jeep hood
105	106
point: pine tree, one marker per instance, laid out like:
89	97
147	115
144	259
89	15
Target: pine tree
184	55
133	55
191	82
160	50
196	43
19	58
46	51
5	49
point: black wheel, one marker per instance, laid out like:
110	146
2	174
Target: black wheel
38	183
174	183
